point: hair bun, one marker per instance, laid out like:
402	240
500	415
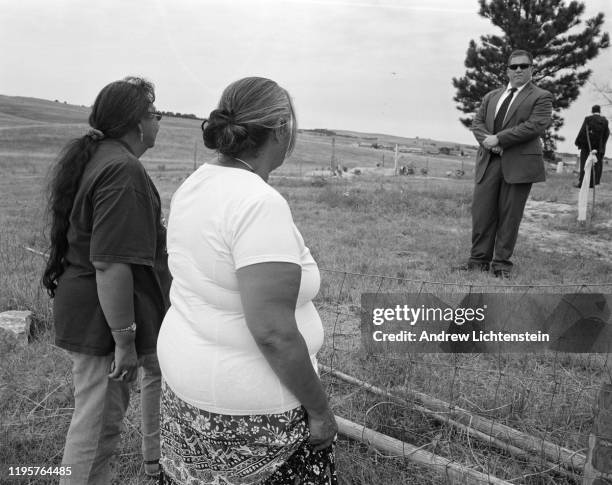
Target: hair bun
222	133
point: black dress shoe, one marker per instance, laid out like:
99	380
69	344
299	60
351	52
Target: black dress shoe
504	274
471	266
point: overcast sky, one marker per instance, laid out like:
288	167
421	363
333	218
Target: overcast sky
365	65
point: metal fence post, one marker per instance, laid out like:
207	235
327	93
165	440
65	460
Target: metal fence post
598	467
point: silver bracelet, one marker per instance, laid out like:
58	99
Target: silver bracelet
131	328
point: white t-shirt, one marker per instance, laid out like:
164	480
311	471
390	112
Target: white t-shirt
222	219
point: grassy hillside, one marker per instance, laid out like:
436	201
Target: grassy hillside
36	110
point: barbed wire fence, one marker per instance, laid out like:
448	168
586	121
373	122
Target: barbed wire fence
471	418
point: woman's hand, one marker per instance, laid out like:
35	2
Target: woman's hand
323	429
125	365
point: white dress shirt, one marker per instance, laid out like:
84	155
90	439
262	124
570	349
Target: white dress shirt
505	95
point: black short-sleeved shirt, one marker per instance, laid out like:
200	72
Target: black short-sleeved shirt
116	218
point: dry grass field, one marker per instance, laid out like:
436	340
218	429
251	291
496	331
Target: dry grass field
369	233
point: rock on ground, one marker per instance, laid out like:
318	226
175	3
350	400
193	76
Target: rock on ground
15	324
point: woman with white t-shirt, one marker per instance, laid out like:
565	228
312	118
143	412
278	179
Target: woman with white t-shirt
241	399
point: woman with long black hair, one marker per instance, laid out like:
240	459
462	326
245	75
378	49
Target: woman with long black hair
107	273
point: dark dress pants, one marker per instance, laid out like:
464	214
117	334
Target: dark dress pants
597	169
497	210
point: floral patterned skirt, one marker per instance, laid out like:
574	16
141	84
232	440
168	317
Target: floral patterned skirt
199	447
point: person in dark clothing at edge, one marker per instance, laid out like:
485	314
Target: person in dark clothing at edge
593	135
108	276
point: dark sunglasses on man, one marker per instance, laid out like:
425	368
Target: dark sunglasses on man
514	67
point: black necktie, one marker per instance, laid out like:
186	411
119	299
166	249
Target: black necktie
501	114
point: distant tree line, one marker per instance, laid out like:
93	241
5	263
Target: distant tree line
171	114
326	132
320	131
180	115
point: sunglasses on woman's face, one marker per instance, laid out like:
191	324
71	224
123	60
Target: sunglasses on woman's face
155	114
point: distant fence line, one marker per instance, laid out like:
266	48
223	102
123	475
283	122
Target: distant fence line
479	285
426	282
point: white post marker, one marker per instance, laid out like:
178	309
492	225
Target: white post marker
583	195
395	157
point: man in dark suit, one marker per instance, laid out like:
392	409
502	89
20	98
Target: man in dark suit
593	135
508	127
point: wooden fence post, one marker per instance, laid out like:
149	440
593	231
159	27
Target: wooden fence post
598	467
332	162
195	155
395	159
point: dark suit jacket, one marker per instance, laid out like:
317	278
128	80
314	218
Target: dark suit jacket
528	117
598	134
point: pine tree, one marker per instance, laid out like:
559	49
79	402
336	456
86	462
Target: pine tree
549	29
